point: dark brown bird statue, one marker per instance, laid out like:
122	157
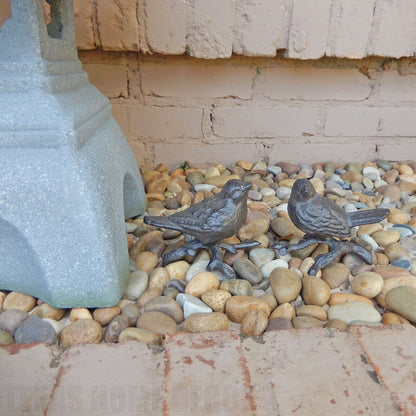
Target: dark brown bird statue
210	221
321	219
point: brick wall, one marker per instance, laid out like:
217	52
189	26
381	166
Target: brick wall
302	80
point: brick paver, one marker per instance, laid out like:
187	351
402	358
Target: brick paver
366	371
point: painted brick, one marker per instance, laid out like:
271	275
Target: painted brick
371	121
210	29
313	84
218	382
352	29
309	29
84	29
127	380
396	87
264	121
260	27
279	386
166	25
165	122
27	378
196	79
400	374
205	154
394	32
139	152
110	79
118	27
393	149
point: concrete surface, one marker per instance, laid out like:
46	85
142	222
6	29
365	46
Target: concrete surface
309	372
69	179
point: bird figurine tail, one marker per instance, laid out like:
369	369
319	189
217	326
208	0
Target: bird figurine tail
367	216
159	222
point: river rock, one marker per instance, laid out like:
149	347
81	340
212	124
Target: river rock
48	311
11	319
201	283
314	311
136	285
391	318
277	324
335	274
167	306
306	322
132	312
267	268
237	287
315	291
20	301
237	306
285	284
177	269
81	331
253	228
148	295
254	323
190	305
385	237
146	261
247	270
116	327
216	299
340	298
5	338
33	329
402	300
395	251
139	334
368	284
354	311
199	322
104	315
261	256
285	310
392	283
79	313
157	322
283	227
159	277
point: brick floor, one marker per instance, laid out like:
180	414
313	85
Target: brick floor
366	371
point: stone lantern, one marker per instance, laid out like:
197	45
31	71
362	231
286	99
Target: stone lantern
68	179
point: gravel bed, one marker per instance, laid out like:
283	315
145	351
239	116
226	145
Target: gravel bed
271	291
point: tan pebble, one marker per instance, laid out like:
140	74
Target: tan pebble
237	306
177	173
412	222
340	298
336	324
405	170
167	306
212	171
132	312
408	187
141	244
263	240
335	274
390	176
397	217
157	322
369	229
2	297
395	251
159	278
253	228
200	322
321	249
149	175
314	311
352	177
303	253
130	241
47	311
20	301
388	271
295	262
318	185
158	183
285	284
154	197
391	318
306	322
382	259
178	269
140	334
287	182
392	283
271	300
146	261
244	164
307	263
80	332
79	313
368	284
104	315
385	237
285	310
254	323
391	191
315	291
221	180
201	283
151	293
284	227
216	299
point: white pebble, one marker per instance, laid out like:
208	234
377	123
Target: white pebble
191	304
267	268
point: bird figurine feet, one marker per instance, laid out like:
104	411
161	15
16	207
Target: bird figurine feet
209	222
321	219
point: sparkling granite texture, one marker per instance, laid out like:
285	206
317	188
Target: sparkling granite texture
68	178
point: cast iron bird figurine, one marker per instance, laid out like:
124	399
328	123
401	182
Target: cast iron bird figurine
319	216
210	221
321	219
